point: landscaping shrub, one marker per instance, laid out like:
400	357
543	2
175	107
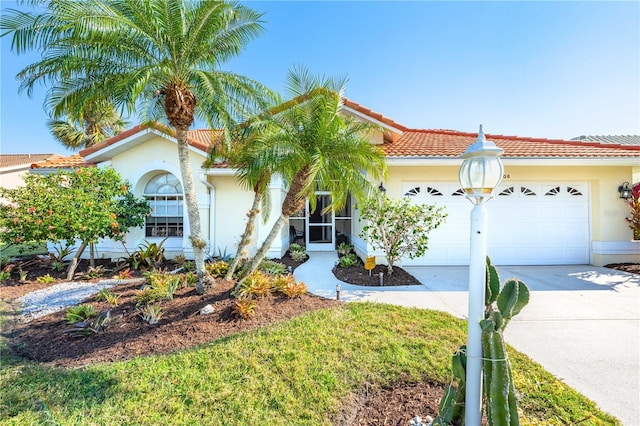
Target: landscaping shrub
80	313
287	285
46	279
257	284
217	269
151	313
244	308
107	296
271	267
349	259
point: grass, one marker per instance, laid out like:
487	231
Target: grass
299	372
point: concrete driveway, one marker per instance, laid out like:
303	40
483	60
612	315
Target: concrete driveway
582	322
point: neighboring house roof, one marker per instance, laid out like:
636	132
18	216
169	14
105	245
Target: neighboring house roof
15	160
614	139
59	162
451	143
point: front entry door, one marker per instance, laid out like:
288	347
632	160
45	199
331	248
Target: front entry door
320	226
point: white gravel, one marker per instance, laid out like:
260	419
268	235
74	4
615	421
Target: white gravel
61	296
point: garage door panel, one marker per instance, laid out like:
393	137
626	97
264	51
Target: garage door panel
530	223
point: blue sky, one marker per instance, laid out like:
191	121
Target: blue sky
542	69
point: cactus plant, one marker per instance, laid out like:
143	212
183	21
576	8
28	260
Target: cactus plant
451	409
501	304
499	391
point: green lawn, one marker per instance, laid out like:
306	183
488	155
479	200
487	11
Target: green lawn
299	372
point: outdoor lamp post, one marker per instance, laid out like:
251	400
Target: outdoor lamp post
480	174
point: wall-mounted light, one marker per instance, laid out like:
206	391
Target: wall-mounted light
625	191
381	188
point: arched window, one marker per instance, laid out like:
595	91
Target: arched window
164	194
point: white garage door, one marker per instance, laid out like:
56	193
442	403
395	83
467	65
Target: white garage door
529	223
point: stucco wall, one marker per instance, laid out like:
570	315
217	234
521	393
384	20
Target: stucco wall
145	160
231	207
13	178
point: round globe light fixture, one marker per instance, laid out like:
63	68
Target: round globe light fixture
481	171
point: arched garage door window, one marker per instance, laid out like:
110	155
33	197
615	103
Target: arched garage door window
164	194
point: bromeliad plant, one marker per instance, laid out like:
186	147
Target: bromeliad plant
297	252
501	304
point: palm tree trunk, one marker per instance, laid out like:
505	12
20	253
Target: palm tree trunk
266	245
195	233
291	204
246	236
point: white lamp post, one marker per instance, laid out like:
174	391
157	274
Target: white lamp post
480	173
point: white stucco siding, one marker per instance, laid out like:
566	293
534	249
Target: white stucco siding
11	179
158	155
231	207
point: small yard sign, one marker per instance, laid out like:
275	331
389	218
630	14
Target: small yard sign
370	263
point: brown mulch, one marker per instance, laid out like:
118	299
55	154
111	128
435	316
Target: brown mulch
396	406
633	268
359	276
46	339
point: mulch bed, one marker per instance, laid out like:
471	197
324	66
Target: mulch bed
359	276
396	406
47	341
633	268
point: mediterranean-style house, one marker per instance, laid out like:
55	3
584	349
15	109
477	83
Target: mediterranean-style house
558	202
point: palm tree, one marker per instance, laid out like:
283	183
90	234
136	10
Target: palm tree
253	174
94	124
164	54
313	146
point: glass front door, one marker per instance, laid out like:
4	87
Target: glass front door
320	224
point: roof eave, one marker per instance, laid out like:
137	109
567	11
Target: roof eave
108	152
516	161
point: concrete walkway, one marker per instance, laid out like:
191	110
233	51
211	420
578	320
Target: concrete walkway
582	322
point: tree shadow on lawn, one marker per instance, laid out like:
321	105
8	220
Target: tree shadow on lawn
44	391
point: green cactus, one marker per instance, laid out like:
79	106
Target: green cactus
499	391
451	407
501	304
492	284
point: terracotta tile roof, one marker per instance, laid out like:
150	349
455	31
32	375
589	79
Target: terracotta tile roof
12	160
426	143
614	139
450	143
376	115
59	162
199	139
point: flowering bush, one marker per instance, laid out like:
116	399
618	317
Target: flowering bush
399	227
634	204
85	204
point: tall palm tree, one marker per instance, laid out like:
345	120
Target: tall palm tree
164	54
92	125
253	174
315	147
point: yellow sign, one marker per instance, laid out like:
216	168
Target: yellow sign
370	263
